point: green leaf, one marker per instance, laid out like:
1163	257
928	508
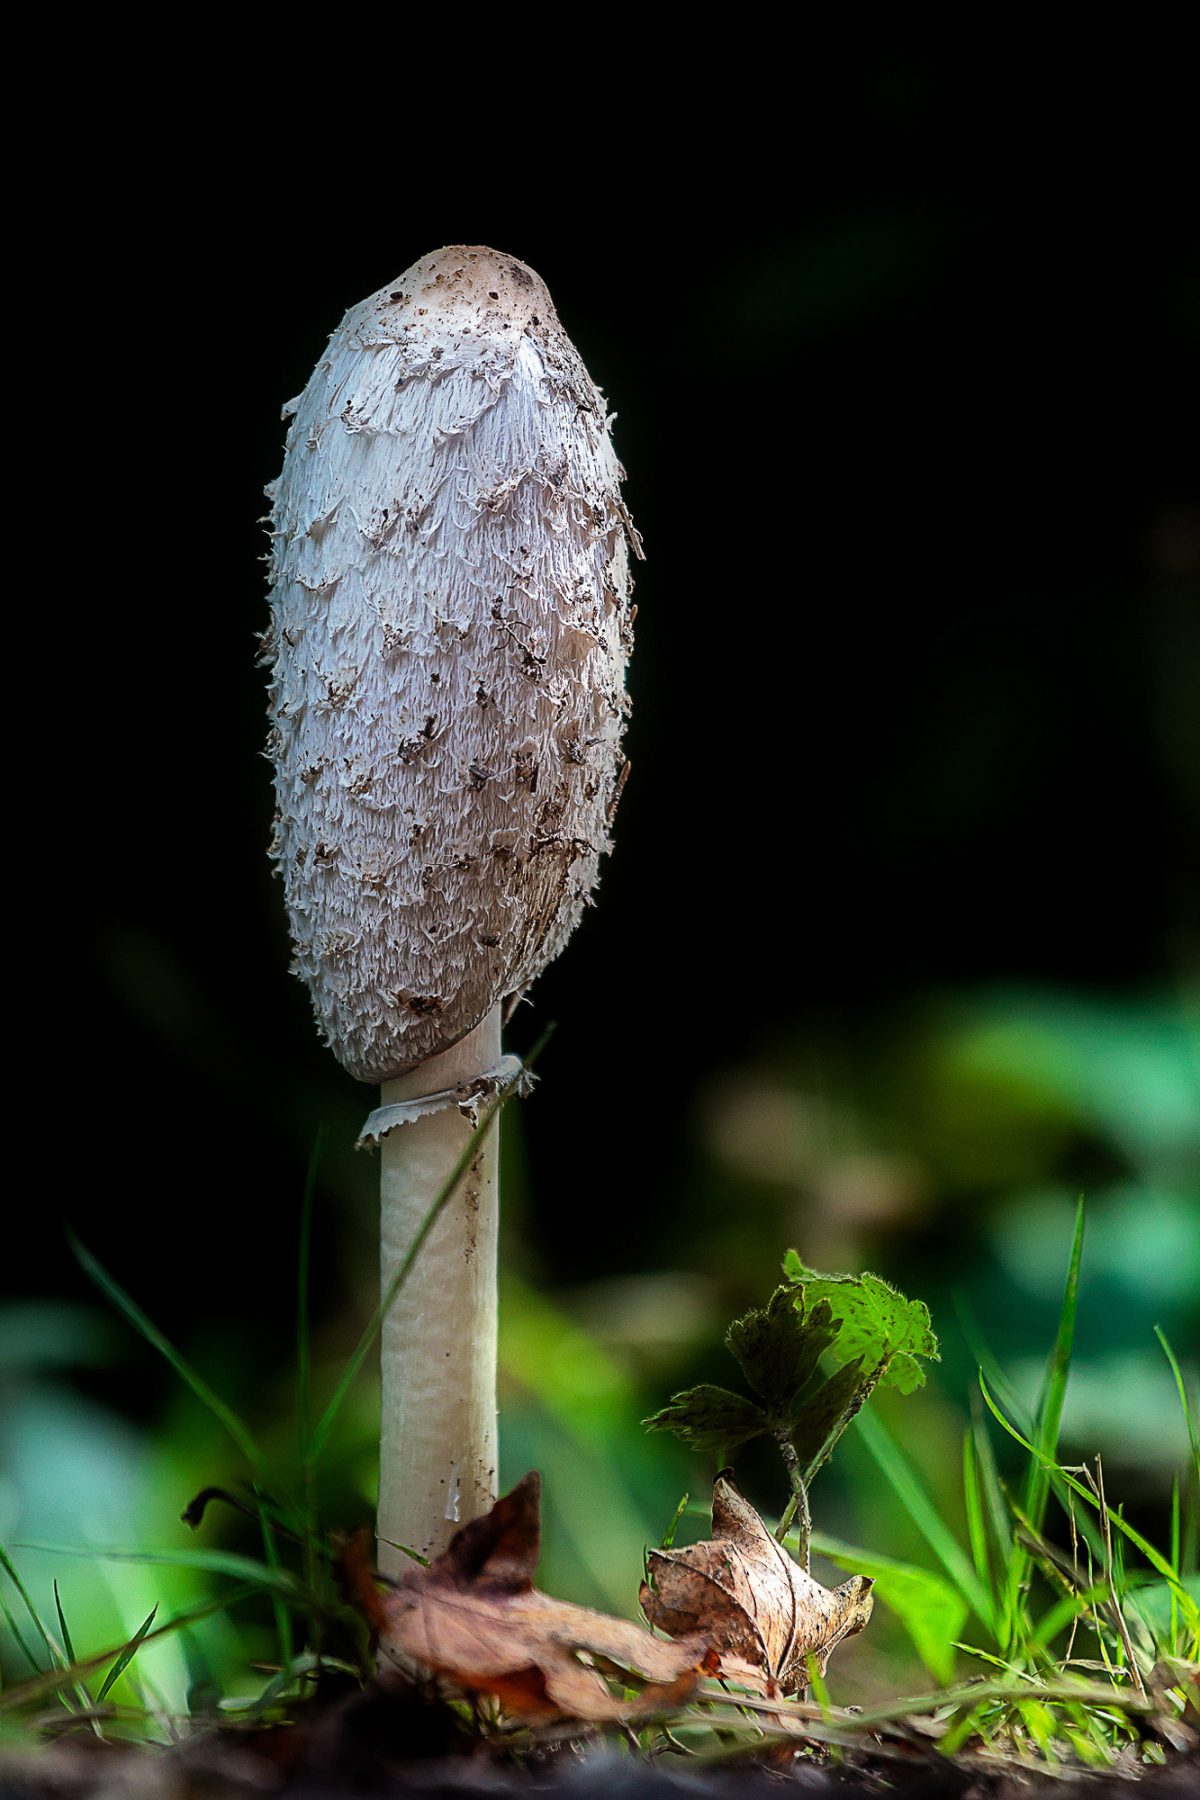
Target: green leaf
815	1423
904	1372
283	1621
778	1348
931	1610
876	1324
710	1418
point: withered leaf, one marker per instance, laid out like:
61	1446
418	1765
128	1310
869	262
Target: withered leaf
742	1591
474	1617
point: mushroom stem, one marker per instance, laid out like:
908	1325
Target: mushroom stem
437	1461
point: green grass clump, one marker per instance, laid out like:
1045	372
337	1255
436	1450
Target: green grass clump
1088	1635
1054	1632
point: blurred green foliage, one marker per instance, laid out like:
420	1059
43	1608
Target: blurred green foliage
944	1148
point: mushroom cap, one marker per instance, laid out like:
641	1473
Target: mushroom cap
450	624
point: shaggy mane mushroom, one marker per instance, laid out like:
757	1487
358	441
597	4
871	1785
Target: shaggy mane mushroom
450	623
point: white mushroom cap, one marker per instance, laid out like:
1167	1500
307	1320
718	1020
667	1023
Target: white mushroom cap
450	624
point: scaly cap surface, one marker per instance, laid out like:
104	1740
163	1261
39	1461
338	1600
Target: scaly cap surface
450	624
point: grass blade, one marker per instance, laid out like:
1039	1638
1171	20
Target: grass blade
308	1475
1072	1606
6	1563
673	1527
247	1709
18	1638
1049	1421
62	1657
984	1358
1189	1417
1175	1543
68	1646
995	1499
972	1693
976	1525
1050	1408
47	1681
924	1515
216	1562
1154	1557
127	1655
147	1329
283	1618
81	1692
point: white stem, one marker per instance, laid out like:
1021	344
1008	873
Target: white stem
437	1456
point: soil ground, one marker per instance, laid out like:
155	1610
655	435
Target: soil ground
382	1743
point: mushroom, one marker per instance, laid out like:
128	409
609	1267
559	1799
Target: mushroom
450	624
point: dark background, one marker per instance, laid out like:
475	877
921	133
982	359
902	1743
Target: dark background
907	400
902	338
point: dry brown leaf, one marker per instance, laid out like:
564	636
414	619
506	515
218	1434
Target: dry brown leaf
475	1617
742	1591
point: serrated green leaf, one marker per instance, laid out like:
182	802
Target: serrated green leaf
710	1418
876	1324
779	1347
904	1373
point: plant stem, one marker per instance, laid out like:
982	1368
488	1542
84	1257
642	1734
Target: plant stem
797	1506
438	1352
